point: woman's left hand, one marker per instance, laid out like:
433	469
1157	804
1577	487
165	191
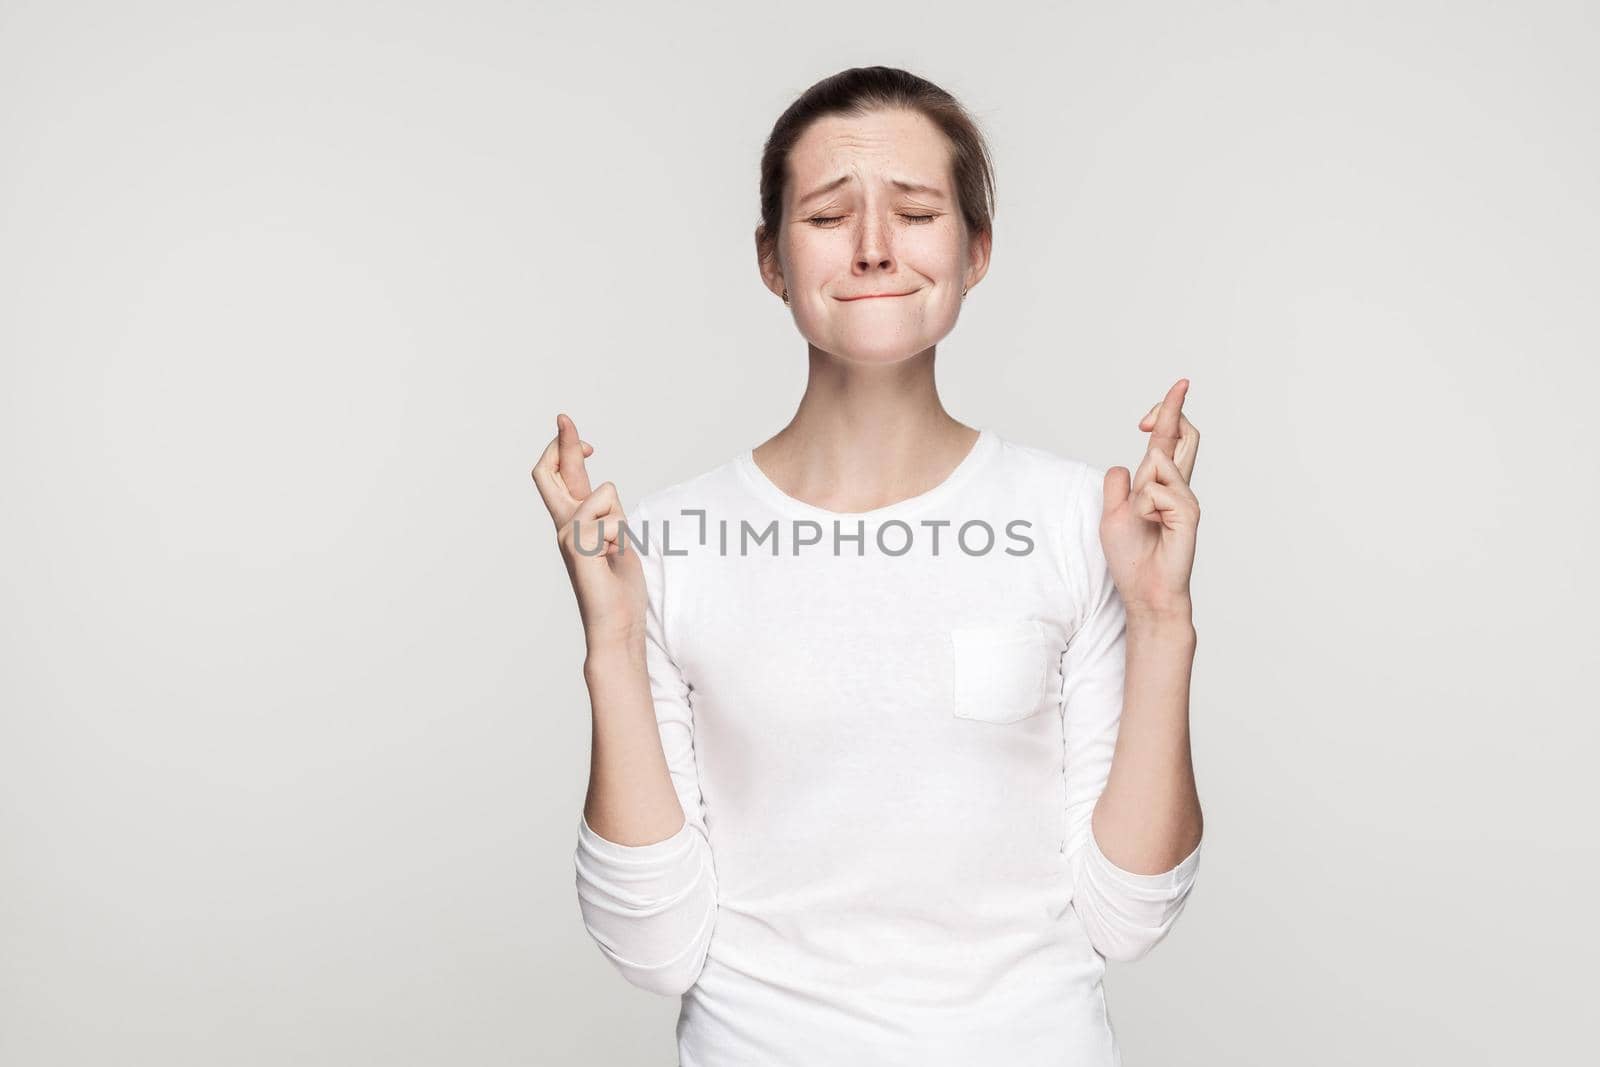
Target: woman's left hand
1148	531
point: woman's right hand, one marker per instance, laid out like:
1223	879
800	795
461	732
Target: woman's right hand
609	585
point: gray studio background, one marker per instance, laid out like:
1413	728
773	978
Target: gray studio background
295	737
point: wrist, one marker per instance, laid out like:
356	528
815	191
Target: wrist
608	654
1175	613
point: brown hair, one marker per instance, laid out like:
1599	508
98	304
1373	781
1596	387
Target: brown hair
855	92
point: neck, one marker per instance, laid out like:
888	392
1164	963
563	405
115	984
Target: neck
866	435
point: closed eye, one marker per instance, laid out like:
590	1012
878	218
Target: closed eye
824	222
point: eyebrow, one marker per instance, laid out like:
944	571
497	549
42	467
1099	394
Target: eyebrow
904	186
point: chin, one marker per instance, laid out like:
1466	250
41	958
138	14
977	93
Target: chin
876	342
880	348
888	346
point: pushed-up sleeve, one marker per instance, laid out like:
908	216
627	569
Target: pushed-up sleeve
651	908
1124	913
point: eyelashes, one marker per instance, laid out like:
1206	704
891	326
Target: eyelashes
825	222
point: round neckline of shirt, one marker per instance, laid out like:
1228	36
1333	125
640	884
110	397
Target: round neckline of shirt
986	444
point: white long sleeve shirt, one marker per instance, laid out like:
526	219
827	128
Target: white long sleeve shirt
887	756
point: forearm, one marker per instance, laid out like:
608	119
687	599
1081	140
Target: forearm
1148	818
645	880
631	799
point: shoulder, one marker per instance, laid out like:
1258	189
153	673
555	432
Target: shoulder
704	490
1069	476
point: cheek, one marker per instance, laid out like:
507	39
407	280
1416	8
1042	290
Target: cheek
810	238
936	254
816	253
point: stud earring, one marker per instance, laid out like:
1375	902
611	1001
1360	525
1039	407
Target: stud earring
786	295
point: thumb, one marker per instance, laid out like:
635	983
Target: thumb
1116	487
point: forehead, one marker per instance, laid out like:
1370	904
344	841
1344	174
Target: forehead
873	147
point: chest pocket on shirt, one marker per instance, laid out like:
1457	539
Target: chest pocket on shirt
999	670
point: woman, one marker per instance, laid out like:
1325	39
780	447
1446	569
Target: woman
890	748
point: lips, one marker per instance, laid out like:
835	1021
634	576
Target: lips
875	296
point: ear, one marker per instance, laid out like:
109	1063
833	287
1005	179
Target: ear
767	264
978	249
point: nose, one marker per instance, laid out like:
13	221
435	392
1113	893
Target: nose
874	245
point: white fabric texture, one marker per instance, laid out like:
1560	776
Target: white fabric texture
887	758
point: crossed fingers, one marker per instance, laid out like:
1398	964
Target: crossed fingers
1171	433
559	473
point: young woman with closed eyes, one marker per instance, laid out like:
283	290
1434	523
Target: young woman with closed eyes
882	789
